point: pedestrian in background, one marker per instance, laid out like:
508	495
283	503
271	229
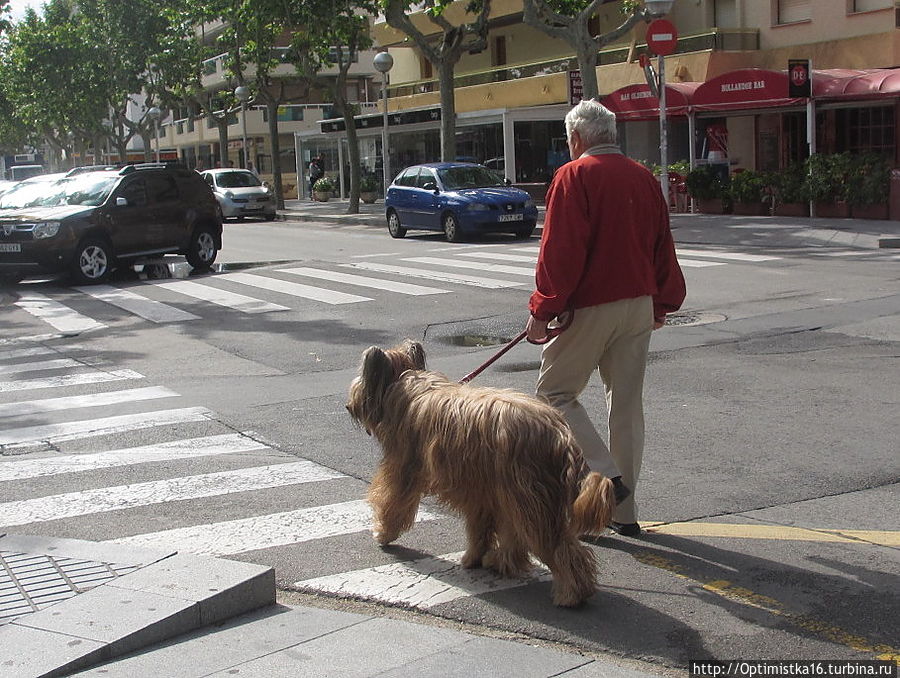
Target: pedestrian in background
606	251
316	172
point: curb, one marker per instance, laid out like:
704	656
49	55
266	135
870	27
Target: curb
132	598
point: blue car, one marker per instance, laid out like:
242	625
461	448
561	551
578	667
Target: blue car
459	198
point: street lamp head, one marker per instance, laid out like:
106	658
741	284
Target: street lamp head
383	62
154	114
242	93
658	8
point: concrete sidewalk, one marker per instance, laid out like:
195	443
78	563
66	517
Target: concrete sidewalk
776	231
73	607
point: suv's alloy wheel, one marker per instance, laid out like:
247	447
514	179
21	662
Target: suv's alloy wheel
202	251
92	262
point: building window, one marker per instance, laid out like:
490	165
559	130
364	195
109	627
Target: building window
854	6
498	54
866	130
792	11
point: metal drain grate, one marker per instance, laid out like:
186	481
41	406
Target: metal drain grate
32	581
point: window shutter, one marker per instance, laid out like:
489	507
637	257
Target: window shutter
870	5
790	11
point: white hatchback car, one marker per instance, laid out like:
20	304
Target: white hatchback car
240	193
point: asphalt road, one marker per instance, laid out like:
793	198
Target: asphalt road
771	466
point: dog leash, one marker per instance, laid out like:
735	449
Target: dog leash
564	320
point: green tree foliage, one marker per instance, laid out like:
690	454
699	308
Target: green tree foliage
569	21
454	40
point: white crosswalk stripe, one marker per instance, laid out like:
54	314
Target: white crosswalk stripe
29	407
730	256
432	274
94	377
500	256
293	289
420	584
57	433
56	507
189	448
364	281
262	532
238	302
57	315
17	353
154	311
44	365
477	265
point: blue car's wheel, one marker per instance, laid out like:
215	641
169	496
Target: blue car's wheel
451	228
394	227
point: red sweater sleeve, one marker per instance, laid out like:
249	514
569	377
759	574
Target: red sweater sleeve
670	286
565	244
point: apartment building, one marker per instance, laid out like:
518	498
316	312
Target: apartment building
726	88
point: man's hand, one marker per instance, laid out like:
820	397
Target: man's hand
658	323
535	330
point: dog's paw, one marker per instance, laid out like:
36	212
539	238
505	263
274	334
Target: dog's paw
470	560
383	538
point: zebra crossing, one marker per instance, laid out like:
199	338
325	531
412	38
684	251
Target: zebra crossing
64	471
278	289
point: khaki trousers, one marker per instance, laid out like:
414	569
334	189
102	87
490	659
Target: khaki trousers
614	339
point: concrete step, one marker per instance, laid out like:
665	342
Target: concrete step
81	603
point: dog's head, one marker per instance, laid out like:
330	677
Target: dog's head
377	371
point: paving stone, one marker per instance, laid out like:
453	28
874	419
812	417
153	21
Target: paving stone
28	653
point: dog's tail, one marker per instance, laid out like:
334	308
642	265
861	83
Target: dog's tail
594	506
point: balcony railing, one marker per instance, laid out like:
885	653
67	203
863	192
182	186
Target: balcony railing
720	39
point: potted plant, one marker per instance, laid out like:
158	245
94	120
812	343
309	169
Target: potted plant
748	191
706	185
869	186
826	184
788	192
322	189
368	188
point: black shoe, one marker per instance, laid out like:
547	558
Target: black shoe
620	490
625	529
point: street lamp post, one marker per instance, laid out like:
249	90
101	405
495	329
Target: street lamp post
155	114
656	9
243	95
383	62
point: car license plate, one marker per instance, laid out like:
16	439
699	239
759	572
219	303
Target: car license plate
10	247
253	207
511	217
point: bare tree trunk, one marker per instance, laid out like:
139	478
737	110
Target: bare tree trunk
448	110
272	107
222	124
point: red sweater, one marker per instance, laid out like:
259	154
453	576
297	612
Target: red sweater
606	237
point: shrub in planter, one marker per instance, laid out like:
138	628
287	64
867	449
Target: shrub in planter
705	184
789	191
323	188
748	191
869	180
826	182
368	188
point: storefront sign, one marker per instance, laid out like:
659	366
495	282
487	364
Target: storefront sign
799	78
376	120
576	90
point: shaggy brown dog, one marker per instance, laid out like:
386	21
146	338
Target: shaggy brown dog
504	460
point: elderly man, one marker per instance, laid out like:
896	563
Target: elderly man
607	252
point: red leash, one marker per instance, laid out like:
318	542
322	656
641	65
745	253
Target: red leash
564	319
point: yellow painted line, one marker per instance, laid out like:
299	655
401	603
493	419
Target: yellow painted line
776	532
745	596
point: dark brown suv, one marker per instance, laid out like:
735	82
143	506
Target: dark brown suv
90	223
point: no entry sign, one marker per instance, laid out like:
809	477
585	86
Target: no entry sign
662	37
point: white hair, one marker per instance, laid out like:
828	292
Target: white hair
593	121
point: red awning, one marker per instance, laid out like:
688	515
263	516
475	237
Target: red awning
745	88
636	102
864	85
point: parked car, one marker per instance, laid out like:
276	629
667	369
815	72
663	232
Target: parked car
461	199
28	192
90	223
240	193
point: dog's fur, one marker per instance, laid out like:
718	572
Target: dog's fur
506	461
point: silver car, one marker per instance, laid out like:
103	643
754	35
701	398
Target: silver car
240	193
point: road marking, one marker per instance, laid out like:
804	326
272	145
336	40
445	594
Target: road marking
27	407
268	531
364	281
57	364
497	256
154	311
214	295
732	256
16	353
777	532
94	377
691	263
420	584
74	430
293	289
455	263
104	499
745	596
226	443
430	274
53	313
